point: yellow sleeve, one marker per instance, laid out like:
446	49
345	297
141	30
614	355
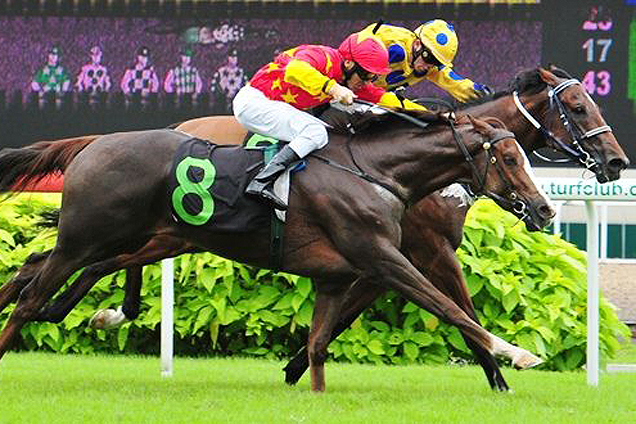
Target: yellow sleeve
391	100
305	76
457	86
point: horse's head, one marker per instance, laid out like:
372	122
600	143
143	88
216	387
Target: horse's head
503	173
572	123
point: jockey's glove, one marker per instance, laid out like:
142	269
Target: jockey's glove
483	90
341	94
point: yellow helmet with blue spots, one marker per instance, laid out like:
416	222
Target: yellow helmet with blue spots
440	38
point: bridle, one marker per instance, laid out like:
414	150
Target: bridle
575	151
512	200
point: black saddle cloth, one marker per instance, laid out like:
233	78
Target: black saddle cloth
207	187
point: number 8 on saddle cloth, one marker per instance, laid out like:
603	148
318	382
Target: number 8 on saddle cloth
207	184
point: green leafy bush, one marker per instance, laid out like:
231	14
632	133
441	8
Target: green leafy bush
529	289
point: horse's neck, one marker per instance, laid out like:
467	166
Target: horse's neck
417	165
504	108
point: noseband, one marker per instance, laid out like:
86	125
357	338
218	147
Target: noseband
575	151
513	200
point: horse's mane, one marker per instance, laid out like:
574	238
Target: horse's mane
525	82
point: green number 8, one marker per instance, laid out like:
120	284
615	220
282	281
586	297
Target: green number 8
198	189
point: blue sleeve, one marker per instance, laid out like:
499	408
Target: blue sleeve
396	53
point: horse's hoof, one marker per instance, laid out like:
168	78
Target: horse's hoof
291	376
106	318
97	322
527	361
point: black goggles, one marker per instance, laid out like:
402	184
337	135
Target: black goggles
364	74
428	57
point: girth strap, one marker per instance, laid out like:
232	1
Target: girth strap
277	226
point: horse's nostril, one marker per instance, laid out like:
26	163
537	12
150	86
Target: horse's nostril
546	212
618	164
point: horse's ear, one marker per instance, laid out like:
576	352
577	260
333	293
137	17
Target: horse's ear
495	122
480	126
548	77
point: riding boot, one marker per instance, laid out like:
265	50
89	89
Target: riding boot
263	183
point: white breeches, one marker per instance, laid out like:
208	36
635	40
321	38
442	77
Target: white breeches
304	132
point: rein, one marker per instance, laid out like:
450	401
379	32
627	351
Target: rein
515	203
360	172
575	152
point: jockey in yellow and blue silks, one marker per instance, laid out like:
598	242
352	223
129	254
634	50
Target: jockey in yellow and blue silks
424	54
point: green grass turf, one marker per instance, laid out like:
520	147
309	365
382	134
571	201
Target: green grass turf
50	388
627	355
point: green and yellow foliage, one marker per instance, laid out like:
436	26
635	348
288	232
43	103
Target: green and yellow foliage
528	288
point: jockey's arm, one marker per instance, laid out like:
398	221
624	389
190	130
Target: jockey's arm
107	83
80	80
304	75
462	89
378	95
198	83
392	100
124	84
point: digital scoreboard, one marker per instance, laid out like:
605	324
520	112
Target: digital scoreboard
596	40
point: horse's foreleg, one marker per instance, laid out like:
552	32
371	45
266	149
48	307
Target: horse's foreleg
393	269
10	291
359	297
329	297
446	274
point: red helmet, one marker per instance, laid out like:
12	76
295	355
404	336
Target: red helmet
366	50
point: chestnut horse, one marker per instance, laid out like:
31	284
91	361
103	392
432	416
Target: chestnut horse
343	224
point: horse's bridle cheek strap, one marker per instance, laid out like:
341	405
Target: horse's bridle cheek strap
513	200
574	151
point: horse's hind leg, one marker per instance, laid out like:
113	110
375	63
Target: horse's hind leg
132	292
157	248
57	268
329	297
10	291
111	318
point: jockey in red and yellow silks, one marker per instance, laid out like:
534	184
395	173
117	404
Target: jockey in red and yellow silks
424	54
301	78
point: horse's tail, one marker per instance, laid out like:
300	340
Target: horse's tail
27	165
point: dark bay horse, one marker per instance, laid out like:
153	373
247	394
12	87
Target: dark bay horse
340	228
432	228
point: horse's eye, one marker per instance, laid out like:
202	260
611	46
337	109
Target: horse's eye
509	161
579	109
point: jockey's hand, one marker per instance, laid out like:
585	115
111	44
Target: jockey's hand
342	94
483	90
